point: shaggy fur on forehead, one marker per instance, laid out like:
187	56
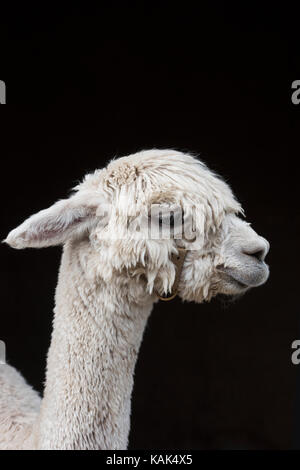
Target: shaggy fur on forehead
162	175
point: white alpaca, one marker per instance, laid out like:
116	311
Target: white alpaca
108	281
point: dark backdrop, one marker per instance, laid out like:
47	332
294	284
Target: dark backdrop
86	83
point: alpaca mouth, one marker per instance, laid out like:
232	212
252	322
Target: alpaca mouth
245	278
232	280
239	284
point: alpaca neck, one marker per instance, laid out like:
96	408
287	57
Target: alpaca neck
96	337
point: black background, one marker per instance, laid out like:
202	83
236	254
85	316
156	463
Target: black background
89	81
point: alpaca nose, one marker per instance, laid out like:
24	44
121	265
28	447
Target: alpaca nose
258	249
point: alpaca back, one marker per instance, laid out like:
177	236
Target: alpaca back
19	407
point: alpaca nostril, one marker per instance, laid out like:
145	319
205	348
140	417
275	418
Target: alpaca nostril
258	252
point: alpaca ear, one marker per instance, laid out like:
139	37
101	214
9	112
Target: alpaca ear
68	218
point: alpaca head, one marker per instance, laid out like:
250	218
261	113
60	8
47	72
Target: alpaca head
131	217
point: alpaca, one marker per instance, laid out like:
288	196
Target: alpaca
109	279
